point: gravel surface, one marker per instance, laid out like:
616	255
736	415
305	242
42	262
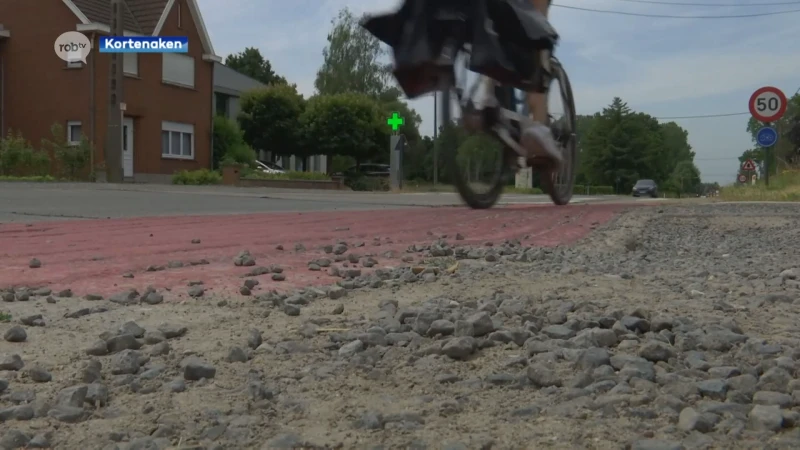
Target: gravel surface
668	328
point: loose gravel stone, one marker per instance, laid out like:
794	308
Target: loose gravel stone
15	334
672	326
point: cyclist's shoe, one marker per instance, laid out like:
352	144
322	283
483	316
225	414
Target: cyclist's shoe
538	140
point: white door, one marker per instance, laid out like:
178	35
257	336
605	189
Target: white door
127	147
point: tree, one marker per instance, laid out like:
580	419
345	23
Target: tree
685	178
346	124
269	118
583	125
251	63
351	61
479	154
229	144
788	128
676	143
619	146
449	138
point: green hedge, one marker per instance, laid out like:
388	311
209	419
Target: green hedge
367	183
32	179
531	191
196	177
581	189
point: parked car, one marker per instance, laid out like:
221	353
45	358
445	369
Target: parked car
366	170
645	187
269	167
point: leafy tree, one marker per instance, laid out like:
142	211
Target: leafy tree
252	63
351	61
229	144
269	118
685	178
583	125
788	128
478	154
450	137
416	159
619	146
676	143
346	124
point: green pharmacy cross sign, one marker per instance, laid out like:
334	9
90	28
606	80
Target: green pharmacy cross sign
395	121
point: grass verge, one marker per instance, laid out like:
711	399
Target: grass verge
782	188
33	179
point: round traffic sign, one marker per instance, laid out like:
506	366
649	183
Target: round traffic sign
768	104
766	137
742	178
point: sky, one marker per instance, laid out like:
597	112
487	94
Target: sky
661	66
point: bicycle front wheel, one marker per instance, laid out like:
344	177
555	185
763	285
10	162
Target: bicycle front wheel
560	185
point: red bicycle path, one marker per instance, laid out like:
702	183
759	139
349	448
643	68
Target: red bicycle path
91	256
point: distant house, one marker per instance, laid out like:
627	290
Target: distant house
229	85
167	124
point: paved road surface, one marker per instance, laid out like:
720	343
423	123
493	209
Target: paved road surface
33	202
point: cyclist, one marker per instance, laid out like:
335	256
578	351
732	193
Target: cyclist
538	138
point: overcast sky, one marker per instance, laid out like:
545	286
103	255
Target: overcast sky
664	67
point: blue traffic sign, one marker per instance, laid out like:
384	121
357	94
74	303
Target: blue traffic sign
766	137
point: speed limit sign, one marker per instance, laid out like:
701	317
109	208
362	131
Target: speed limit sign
768	104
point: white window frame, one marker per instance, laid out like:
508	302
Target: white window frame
166	78
181	129
130	64
70	125
74	64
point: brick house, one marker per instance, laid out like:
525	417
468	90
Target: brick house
169	98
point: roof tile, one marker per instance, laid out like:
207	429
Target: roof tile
140	16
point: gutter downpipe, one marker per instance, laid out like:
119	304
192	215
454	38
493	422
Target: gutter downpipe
2	95
92	108
213	114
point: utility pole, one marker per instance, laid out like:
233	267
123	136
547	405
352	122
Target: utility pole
766	158
435	134
113	149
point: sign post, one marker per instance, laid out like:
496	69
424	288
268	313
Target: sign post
397	143
748	165
767	104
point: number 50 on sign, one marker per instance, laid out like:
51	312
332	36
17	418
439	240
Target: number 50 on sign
768	104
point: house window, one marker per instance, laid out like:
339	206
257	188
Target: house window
74	64
74	132
177	69
177	140
130	64
222	104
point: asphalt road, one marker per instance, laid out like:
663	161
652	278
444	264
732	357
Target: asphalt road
33	202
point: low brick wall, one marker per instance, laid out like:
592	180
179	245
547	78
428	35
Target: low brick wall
231	176
336	184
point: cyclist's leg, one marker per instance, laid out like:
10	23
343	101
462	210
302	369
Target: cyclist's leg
538	139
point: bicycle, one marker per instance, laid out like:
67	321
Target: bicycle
427	38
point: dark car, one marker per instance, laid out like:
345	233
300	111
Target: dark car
645	187
366	170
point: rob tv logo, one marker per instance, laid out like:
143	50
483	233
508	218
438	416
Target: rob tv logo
73	46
